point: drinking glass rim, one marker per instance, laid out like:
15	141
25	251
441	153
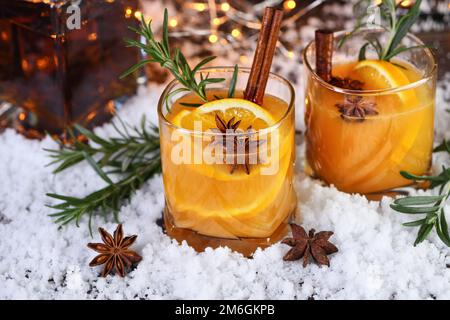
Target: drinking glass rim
174	82
411	85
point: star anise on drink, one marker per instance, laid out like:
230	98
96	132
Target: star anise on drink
306	245
241	141
346	83
356	108
114	252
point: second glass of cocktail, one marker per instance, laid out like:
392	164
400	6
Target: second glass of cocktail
373	118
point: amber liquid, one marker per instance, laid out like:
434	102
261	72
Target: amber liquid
62	76
366	157
209	207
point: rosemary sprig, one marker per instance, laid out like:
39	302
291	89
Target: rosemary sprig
430	206
134	155
231	90
176	63
397	27
233	82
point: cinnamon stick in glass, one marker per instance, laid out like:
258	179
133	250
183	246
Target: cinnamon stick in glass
324	54
265	50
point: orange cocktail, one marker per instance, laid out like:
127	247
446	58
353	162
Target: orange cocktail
364	130
217	195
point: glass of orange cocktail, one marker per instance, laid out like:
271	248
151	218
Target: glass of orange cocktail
374	120
228	164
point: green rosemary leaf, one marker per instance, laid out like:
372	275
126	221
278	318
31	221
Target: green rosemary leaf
415	223
203	63
69	200
414	210
137	66
402	49
443	147
414	177
442	229
67	162
418	200
97	168
233	82
165	41
194	105
362	52
423	232
60	206
212	80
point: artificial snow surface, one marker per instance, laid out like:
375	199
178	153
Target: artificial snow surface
39	260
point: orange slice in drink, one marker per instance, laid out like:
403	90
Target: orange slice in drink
247	112
203	118
378	75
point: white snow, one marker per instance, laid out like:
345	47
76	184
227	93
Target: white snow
39	260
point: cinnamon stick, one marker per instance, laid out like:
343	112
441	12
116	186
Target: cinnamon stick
324	54
265	50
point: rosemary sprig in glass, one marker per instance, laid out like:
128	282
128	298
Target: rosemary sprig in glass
430	206
231	90
397	27
134	155
176	63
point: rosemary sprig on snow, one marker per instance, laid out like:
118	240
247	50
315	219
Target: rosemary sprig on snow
396	26
134	156
175	62
430	206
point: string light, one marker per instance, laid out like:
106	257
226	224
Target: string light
291	54
225	6
236	33
406	3
173	22
138	15
92	36
227	26
213	38
199	6
289	5
128	12
243	58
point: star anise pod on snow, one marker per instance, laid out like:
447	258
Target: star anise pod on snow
356	108
241	140
315	245
114	252
346	83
